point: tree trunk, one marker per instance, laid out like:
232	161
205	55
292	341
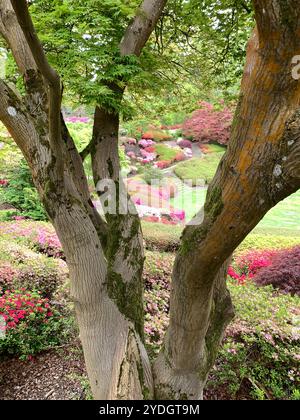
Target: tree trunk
260	168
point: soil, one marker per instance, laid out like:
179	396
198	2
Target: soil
55	375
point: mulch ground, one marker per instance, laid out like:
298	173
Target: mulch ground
55	375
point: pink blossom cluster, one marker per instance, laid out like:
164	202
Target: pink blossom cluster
249	264
84	120
17	306
3	182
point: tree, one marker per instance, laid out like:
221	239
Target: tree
105	256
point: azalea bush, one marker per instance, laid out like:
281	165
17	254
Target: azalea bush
208	124
184	143
38	236
30	325
21	267
279	268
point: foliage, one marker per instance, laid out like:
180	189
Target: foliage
156	135
200	171
260	353
208	124
23	268
184	144
152	174
21	193
260	356
31	324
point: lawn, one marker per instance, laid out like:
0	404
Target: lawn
166	153
199	171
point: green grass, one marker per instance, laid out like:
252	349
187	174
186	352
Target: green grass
199	170
215	148
165	152
166	238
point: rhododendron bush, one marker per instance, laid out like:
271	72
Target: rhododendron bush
209	125
29	323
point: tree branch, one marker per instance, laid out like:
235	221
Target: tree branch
14	36
275	15
139	31
17	121
50	75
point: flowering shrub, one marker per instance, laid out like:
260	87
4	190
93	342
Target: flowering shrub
283	273
156	135
184	144
74	120
41	237
248	264
7	275
145	143
279	268
31	324
163	164
150	149
21	267
208	124
179	157
131	155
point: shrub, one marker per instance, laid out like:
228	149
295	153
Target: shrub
179	157
279	268
23	268
283	273
163	164
259	359
22	194
184	144
7	275
40	237
151	174
156	135
31	324
145	143
209	125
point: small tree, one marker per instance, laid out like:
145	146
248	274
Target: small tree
208	124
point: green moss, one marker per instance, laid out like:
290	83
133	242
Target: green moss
128	298
214	203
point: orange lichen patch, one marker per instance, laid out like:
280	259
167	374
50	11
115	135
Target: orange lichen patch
245	160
